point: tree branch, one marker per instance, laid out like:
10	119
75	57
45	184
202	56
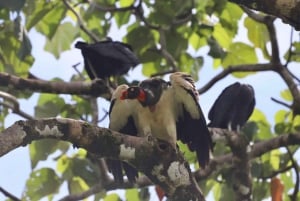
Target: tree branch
96	88
288	11
14	106
9	195
237	68
158	160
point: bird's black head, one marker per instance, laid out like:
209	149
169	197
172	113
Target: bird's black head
153	89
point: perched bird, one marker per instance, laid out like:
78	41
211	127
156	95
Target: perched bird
170	111
121	120
107	58
233	107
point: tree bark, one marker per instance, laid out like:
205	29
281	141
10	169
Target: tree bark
287	10
164	166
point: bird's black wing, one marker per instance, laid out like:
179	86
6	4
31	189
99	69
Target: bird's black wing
244	106
191	124
121	121
233	107
107	58
222	110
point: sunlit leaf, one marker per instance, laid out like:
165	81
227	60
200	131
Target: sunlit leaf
258	35
274	159
77	185
126	3
222	36
112	197
196	41
132	194
286	95
239	53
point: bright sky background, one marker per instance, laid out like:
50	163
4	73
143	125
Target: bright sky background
15	166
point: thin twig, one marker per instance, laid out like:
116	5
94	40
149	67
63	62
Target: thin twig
80	21
237	68
14	106
275	173
9	195
281	103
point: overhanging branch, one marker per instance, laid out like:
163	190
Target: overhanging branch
96	88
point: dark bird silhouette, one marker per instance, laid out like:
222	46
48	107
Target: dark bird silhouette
170	111
233	107
107	58
121	120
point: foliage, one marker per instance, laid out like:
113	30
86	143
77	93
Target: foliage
183	29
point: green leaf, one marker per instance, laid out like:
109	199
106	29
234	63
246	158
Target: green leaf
141	40
274	159
149	69
286	95
112	197
9	47
260	190
258	35
51	21
79	167
240	53
126	3
40	150
132	194
196	41
122	18
49	105
294	54
41	183
215	51
264	130
221	36
64	36
77	185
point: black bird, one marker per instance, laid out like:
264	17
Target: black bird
107	58
170	111
121	119
233	107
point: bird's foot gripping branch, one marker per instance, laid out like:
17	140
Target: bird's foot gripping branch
157	160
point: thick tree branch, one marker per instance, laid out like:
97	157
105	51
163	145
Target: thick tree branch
96	88
287	10
242	184
256	150
164	166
